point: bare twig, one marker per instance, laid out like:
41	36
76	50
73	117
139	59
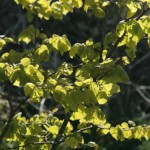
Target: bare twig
139	89
143	95
140	60
41	108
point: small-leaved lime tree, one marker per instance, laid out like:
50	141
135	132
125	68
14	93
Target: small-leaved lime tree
81	89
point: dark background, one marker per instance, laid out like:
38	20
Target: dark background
79	26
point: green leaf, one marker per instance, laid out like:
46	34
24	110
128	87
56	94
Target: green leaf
14	56
25	61
144	24
61	44
84	82
8	70
51	84
34	74
57	10
125	60
45	146
133	8
28	35
109	39
74	141
66	69
18	78
82	52
2	43
99	12
138	132
104	4
89	115
122	74
35	93
74	50
52	129
106	129
111	89
72	100
59	93
77	3
100	96
3	75
28	89
43	3
131	53
121	27
67	7
94	145
42	53
147	133
9	40
84	72
104	54
134	33
127	133
4	57
71	142
89	3
43	9
116	133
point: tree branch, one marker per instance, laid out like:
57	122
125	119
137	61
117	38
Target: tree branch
115	45
61	131
120	38
12	113
144	12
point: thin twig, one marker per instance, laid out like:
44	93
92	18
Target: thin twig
78	131
140	60
41	108
143	95
140	89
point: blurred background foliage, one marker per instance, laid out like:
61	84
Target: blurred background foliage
132	103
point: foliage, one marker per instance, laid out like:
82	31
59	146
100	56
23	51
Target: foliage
81	90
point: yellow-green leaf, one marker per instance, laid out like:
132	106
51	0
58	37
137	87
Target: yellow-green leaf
2	43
